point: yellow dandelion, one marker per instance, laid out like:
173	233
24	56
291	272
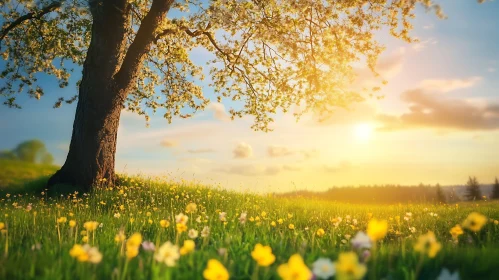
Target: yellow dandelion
215	271
348	267
474	222
427	244
456	231
291	226
377	229
320	232
263	255
294	269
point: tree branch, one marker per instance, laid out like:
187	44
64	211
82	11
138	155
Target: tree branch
33	15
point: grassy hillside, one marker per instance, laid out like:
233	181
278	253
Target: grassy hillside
21	176
39	233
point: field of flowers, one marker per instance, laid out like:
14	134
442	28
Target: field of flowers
153	229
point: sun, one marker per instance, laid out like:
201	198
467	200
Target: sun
363	131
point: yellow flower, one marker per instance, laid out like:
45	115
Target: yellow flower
62	220
474	222
273	224
291	226
191	208
72	223
295	269
215	271
496	222
427	244
456	231
263	255
164	223
181	228
189	246
120	237
134	240
84	239
377	229
280	221
320	232
290	216
348	267
85	253
91	226
2	226
132	252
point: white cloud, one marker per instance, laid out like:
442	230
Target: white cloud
219	112
279	151
446	85
243	150
168	143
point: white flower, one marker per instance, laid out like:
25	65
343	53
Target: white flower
205	232
242	218
412	229
361	241
446	275
193	234
222	216
168	254
117	215
94	256
354	221
181	218
408	214
148	246
323	268
198	219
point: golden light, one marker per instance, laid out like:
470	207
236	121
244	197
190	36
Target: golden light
363	131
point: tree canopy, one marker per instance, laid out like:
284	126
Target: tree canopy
269	55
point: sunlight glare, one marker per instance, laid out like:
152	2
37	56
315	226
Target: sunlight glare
363	131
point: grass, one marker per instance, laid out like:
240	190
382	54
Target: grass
18	176
33	245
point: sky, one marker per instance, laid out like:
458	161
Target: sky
438	122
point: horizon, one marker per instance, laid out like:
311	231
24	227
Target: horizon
438	122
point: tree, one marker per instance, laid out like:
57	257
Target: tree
7	155
268	55
30	151
473	189
440	194
495	190
47	159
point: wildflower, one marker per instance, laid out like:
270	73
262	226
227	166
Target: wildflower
273	223
263	255
120	237
193	234
427	244
181	218
280	221
62	220
456	231
222	216
168	254
2	226
348	267
323	268
412	229
181	228
290	216
84	239
85	253
474	222
132	245
205	232
291	226
320	232
164	223
72	223
377	229
189	246
295	269
91	226
191	208
198	219
215	271
496	222
117	215
148	246
361	241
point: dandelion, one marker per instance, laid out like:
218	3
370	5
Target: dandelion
215	271
120	237
181	228
2	226
349	267
193	234
320	232
474	222
167	254
191	208
188	247
361	241
164	223
263	255
181	218
273	223
132	245
291	226
294	269
205	232
280	221
62	220
91	226
456	231
323	268
427	244
72	223
377	229
85	253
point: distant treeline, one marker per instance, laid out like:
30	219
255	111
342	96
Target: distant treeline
404	194
32	151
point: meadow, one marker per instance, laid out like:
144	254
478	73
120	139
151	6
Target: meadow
156	228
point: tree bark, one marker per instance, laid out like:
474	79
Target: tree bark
109	72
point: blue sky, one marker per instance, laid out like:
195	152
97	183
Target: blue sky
455	64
